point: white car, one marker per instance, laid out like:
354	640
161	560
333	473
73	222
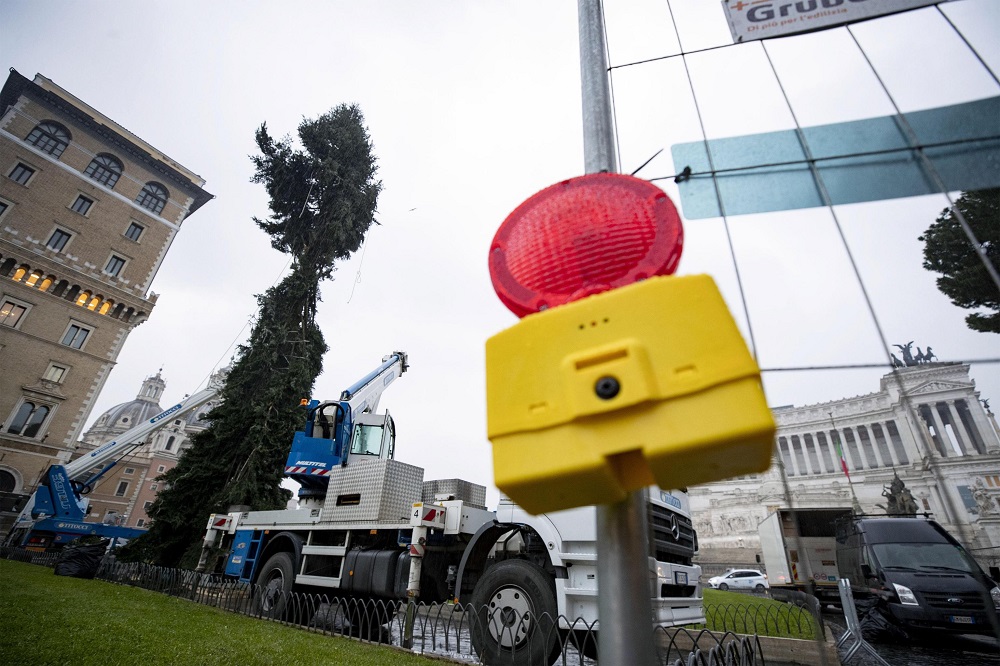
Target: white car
740	579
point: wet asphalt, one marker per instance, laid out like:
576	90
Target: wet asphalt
937	650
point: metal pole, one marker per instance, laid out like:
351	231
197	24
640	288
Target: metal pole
623	577
598	133
623	584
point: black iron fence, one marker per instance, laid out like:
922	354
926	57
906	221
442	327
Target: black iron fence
31	557
455	631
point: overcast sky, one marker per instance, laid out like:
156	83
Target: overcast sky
472	107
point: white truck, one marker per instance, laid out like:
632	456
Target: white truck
369	527
802	557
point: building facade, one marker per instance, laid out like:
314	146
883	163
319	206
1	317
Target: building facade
926	423
88	211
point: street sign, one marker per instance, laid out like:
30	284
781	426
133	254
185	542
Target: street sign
862	160
760	19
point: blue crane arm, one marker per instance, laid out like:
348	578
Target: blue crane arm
364	395
324	442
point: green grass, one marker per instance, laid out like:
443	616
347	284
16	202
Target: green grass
747	614
49	619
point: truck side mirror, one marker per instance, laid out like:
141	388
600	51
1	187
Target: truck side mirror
866	571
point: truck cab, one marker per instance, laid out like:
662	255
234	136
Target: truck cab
917	575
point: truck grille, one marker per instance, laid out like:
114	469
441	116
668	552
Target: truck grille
671	537
967	601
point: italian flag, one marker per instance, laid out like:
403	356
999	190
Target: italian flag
843	459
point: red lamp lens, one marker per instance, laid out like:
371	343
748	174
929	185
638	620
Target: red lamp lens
583	236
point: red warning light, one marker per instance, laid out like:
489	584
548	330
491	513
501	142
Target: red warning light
583	236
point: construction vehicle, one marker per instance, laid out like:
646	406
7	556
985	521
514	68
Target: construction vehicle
801	557
369	528
55	514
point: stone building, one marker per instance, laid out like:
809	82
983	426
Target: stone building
88	211
122	496
929	427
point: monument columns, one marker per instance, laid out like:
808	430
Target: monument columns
806	464
832	448
791	455
887	438
946	449
857	447
965	442
901	453
875	450
983	425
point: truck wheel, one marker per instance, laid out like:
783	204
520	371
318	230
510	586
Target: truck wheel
274	586
723	586
515	615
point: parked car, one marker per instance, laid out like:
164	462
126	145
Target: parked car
740	579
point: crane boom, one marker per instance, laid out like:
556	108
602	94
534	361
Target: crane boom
364	395
133	438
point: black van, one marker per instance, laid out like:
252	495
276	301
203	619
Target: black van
918	575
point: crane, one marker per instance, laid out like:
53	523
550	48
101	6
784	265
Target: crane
54	514
337	429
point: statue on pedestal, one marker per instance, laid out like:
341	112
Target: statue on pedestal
899	499
909	360
986	505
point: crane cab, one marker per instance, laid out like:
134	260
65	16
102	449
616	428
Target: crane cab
330	437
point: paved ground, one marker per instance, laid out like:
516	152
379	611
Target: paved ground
958	650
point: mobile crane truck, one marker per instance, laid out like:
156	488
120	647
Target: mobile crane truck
55	514
369	528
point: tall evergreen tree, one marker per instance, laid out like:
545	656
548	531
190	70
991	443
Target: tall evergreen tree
322	199
947	250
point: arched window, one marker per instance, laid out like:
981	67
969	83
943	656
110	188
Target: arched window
105	169
28	420
49	137
170	443
153	197
7	482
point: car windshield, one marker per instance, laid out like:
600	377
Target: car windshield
928	556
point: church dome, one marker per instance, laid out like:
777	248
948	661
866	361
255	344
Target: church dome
127	415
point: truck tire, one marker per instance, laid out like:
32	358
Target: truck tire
515	610
274	587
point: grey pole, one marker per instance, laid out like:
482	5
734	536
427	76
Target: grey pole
623	576
598	134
